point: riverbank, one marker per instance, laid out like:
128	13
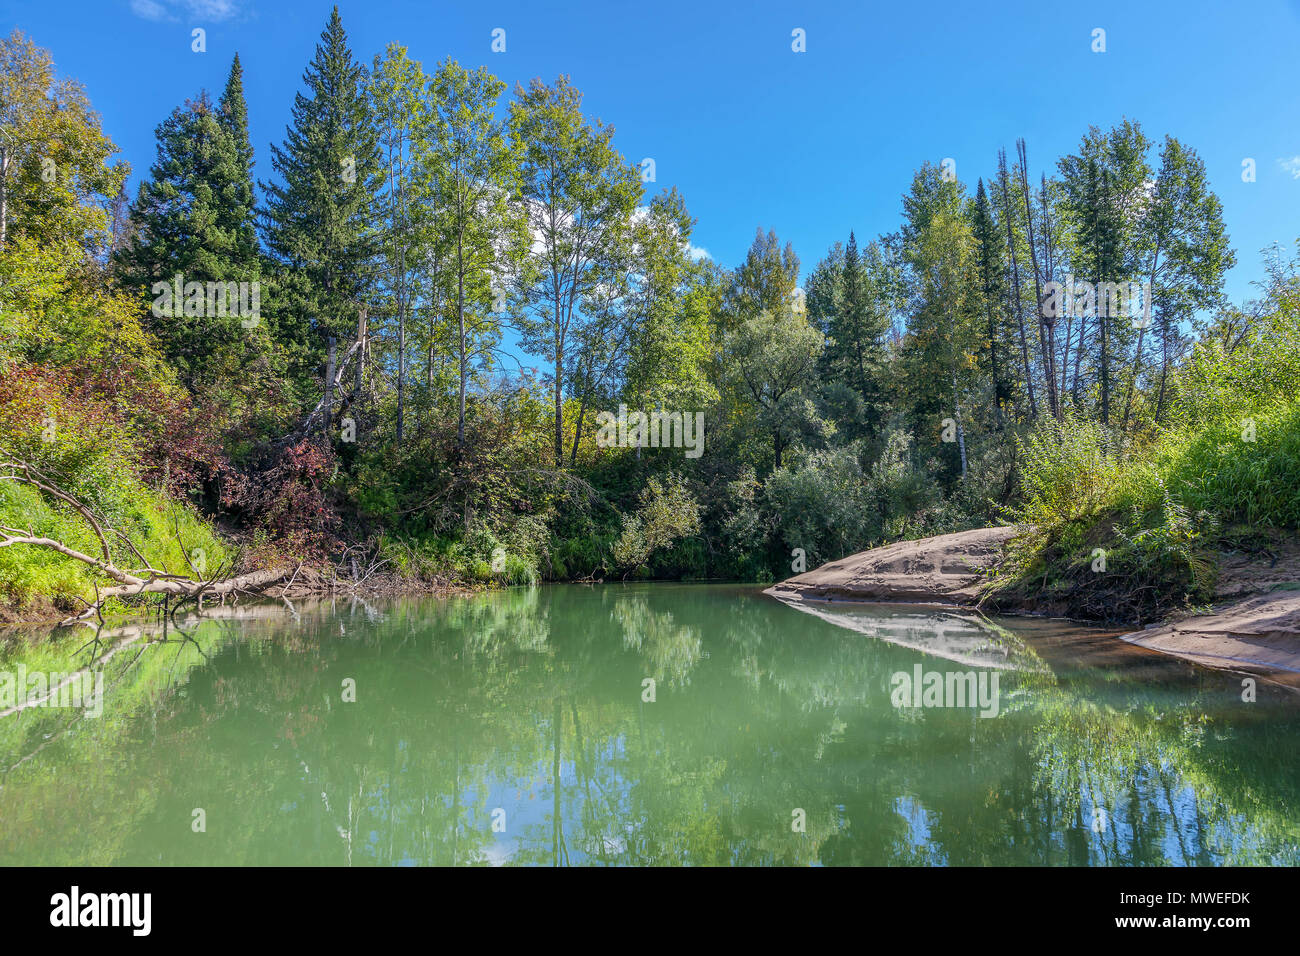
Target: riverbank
319	580
1252	626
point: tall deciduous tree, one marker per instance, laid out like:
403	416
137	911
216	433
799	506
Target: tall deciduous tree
771	362
402	116
581	195
1186	255
764	282
476	184
55	176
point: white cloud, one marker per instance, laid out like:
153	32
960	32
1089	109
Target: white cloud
1291	166
697	252
211	10
149	9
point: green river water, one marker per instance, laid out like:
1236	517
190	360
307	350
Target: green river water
655	724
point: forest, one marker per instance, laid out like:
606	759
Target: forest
392	348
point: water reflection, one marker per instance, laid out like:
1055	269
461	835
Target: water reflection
521	728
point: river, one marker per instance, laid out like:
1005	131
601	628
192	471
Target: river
644	724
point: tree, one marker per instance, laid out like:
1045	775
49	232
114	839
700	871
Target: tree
1014	299
55	178
771	361
581	196
1106	187
320	218
857	324
671	306
475	169
1045	321
193	219
402	115
1186	256
993	281
764	282
236	197
939	353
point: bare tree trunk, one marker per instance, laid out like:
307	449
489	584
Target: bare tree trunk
401	370
1164	375
558	393
460	317
1142	331
329	384
1049	273
961	431
363	318
4	195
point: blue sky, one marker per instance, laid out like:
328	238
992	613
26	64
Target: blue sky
811	144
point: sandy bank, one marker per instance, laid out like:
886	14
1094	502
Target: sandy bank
1257	635
1255	627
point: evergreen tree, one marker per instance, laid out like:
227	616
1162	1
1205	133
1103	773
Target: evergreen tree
238	200
857	326
192	218
319	218
993	281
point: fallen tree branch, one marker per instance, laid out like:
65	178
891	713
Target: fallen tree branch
130	583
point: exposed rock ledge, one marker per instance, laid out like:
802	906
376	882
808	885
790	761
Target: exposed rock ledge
945	569
1257	630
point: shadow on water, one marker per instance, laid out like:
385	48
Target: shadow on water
638	724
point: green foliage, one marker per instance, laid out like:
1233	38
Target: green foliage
667	512
320	215
166	533
822	504
908	388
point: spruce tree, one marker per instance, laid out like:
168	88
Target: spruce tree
188	220
993	286
856	327
320	216
238	203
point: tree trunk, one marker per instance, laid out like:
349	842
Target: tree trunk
559	407
460	315
961	432
4	195
1137	353
329	385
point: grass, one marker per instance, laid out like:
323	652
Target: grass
1131	533
31	576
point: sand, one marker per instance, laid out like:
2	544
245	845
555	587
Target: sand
1253	627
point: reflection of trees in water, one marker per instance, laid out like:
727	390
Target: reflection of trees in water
530	700
670	650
